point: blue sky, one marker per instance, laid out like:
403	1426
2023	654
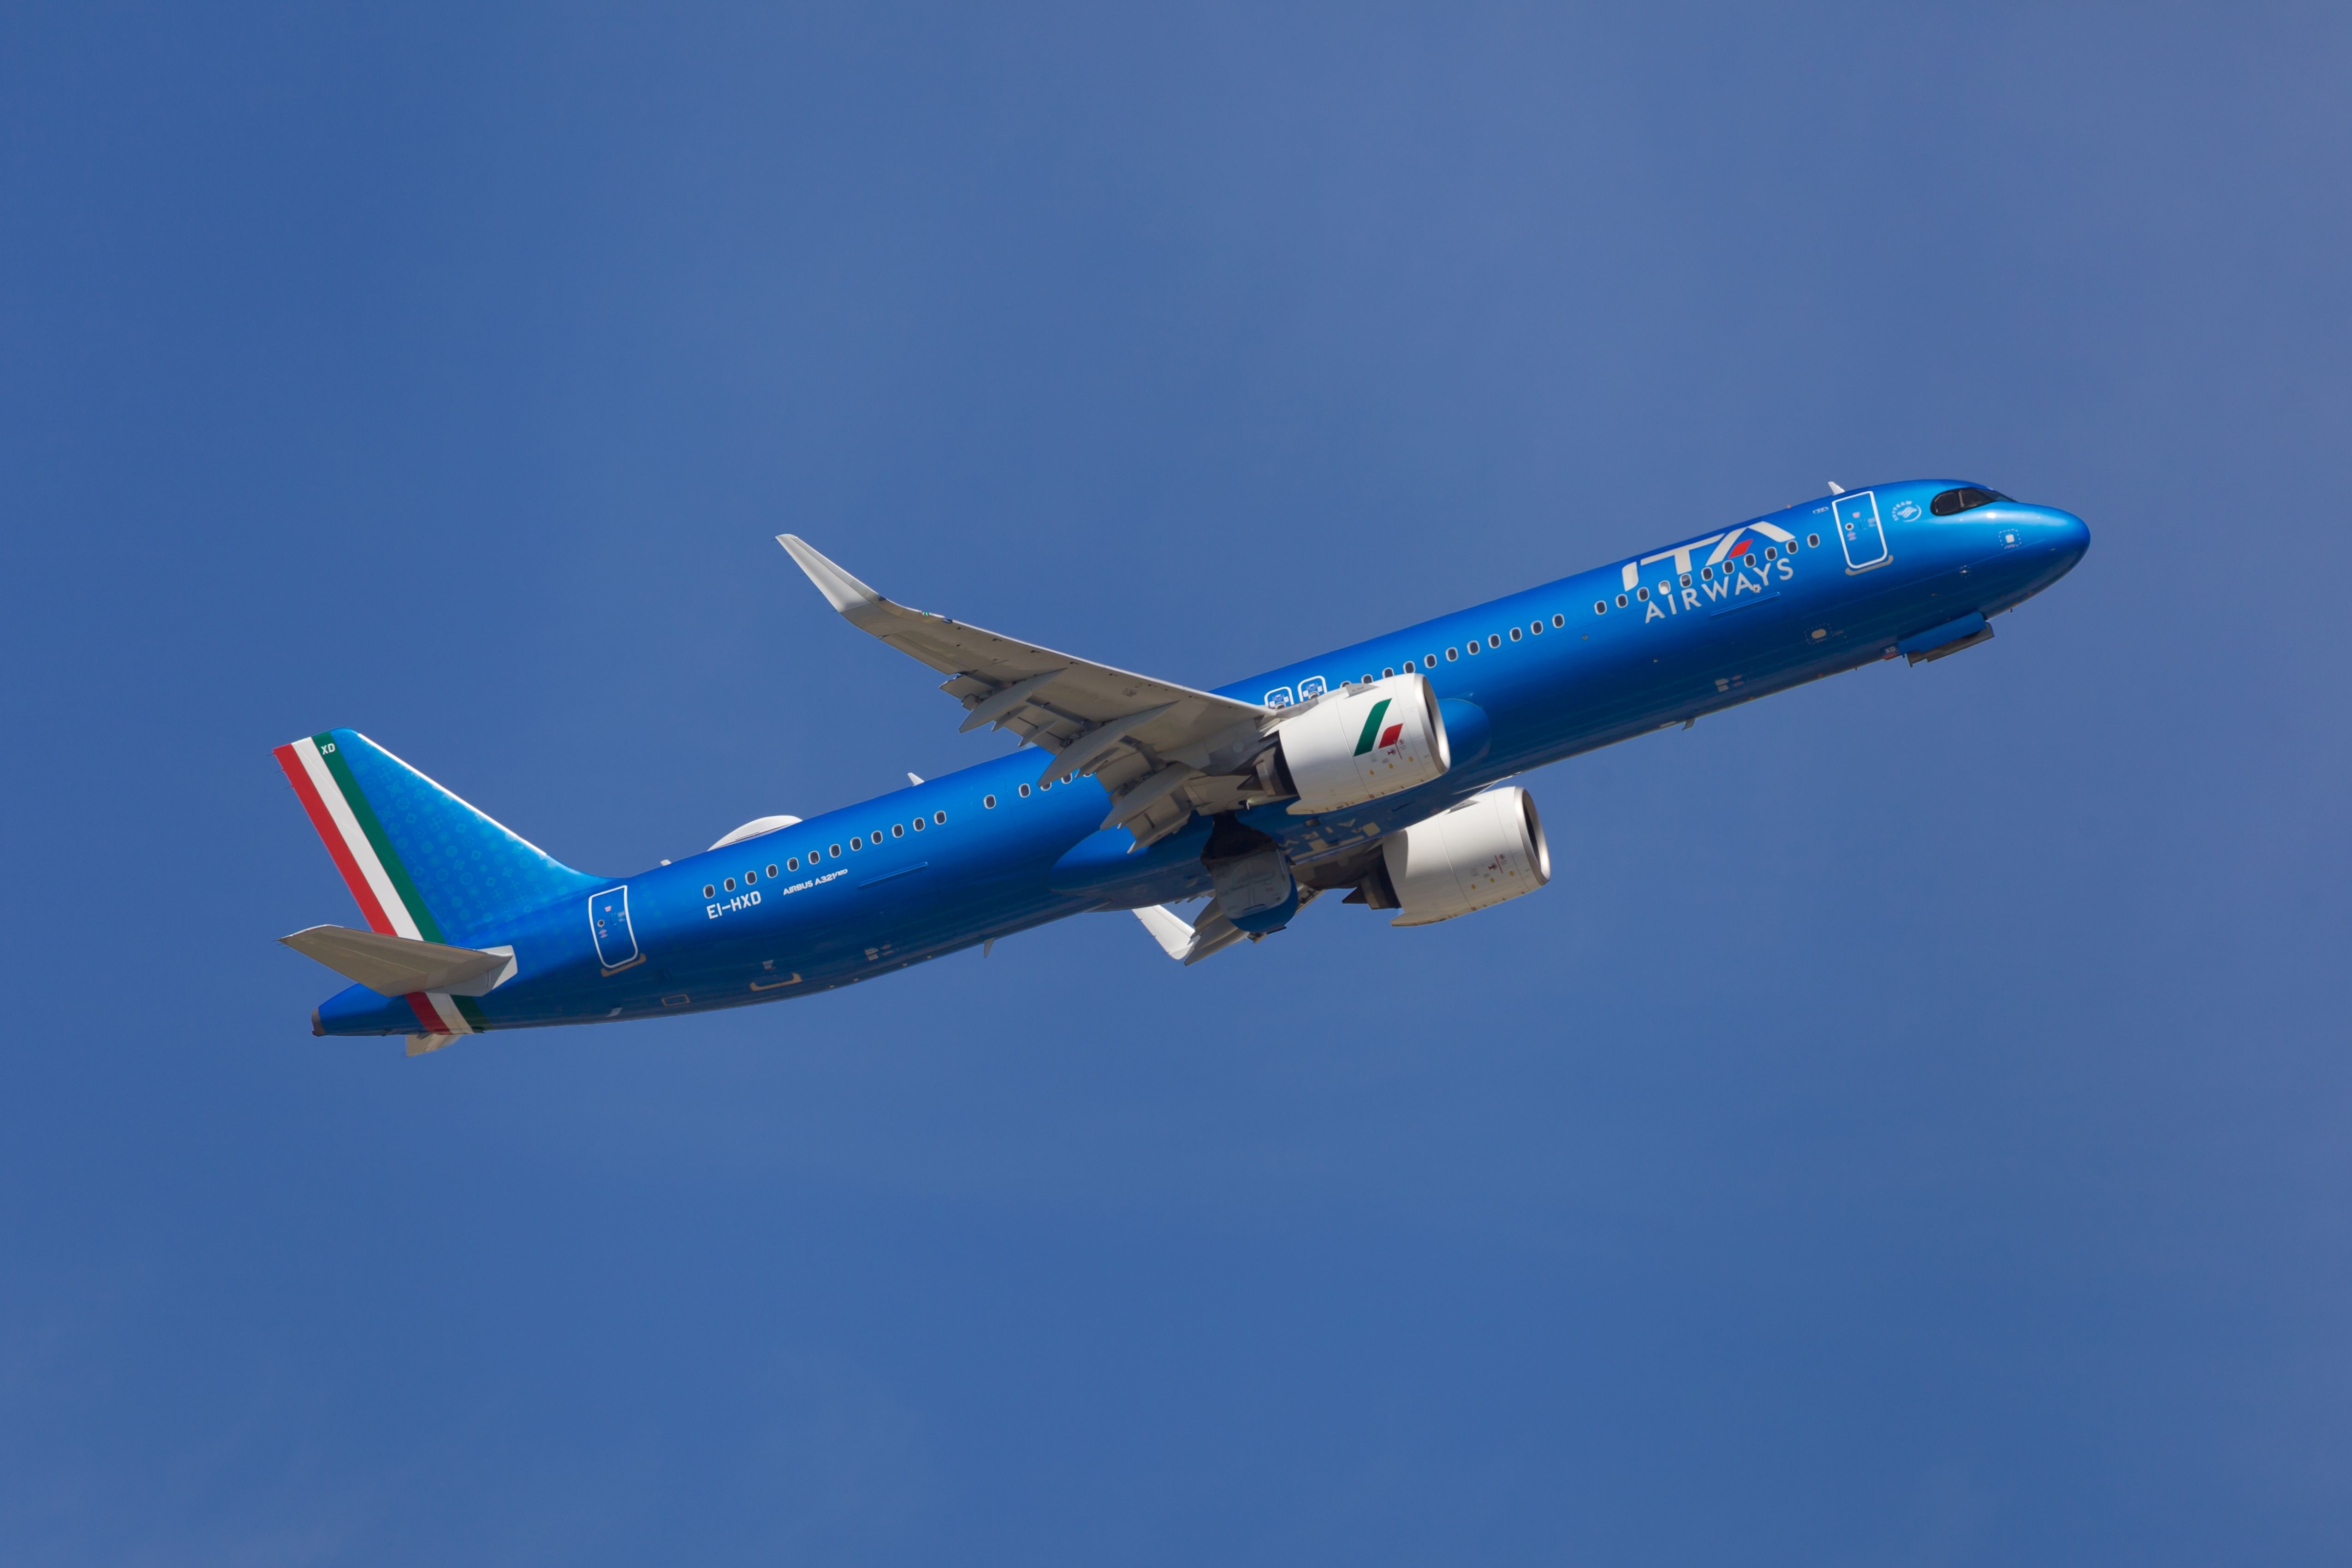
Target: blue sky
1909	1130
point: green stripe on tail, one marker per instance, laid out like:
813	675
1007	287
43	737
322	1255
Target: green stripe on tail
426	926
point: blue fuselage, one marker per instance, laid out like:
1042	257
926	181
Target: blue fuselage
1670	634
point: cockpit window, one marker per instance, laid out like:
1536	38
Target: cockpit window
1966	498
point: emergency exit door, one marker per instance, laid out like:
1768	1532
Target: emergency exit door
1859	529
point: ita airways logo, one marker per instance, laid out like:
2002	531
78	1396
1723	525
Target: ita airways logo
1906	511
1374	736
1711	573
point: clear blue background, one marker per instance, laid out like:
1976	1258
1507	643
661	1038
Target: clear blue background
1911	1129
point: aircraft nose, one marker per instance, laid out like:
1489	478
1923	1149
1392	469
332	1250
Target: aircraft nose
2069	533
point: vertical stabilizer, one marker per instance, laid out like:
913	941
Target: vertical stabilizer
421	863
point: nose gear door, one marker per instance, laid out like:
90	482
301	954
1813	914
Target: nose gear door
1859	529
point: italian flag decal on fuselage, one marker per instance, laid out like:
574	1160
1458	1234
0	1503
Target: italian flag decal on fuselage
387	896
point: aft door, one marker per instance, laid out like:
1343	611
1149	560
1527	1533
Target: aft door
608	921
1859	529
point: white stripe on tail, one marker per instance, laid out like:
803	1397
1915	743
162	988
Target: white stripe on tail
355	841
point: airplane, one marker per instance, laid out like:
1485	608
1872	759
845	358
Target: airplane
1381	769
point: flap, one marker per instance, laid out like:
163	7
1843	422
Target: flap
1189	942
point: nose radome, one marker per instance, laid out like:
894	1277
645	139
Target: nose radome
2073	536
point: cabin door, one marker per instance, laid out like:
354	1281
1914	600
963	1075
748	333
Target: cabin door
608	921
1859	531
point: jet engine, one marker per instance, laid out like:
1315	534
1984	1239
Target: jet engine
1489	848
1359	743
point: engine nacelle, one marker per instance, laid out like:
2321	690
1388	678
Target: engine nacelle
1489	848
1362	742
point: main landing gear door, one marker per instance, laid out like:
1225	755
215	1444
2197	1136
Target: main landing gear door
1859	531
608	921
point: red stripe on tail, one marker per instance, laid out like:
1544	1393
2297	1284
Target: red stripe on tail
328	834
422	1006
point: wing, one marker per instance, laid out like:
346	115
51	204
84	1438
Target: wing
1164	750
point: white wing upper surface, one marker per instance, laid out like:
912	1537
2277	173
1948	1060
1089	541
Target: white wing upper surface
1163	750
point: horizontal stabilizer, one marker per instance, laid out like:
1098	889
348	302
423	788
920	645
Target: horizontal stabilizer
399	965
758	827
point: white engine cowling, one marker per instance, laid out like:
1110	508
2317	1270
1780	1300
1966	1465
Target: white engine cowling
1489	848
1364	741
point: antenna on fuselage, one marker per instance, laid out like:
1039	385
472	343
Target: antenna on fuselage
1836	489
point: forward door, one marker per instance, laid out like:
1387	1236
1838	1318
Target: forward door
1859	529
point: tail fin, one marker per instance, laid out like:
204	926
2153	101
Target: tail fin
420	862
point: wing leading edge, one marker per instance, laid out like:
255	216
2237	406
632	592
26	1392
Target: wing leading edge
1163	751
